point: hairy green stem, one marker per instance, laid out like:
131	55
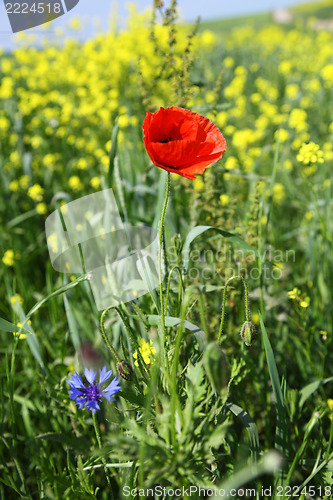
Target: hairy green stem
260	247
143	368
160	247
247	312
174	268
99	441
108	343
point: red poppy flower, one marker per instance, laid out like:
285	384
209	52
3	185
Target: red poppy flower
182	142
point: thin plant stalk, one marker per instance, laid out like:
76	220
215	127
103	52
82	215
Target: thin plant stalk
180	287
99	441
108	343
247	311
160	247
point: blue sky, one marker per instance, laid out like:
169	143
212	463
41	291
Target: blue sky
190	9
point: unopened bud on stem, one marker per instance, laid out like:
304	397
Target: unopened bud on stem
125	370
248	332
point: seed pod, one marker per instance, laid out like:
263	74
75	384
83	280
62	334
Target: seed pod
248	332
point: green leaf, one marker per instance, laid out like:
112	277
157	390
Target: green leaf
6	326
216	366
198	230
60	290
170	321
309	389
21	218
132	398
217	437
269	464
249	425
72	324
31	339
113	151
76	443
281	436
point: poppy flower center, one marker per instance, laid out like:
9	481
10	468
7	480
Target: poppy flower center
168	139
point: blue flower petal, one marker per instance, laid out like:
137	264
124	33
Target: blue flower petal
104	375
92	405
74	393
89	396
90	375
111	389
81	402
76	381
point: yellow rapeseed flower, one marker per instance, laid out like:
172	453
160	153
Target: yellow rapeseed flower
14	185
198	184
147	351
95	182
309	215
294	293
41	208
24	181
330	406
36	192
327	75
310	154
224	199
16	298
283	134
75	183
301	298
305	302
279	192
22	336
8	258
298	120
229	62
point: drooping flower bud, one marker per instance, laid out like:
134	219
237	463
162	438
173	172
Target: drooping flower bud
125	370
248	332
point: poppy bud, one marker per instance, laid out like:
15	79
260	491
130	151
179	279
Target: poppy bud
248	332
125	370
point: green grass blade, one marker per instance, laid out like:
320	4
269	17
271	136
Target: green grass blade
249	425
6	326
281	436
198	230
308	390
175	322
113	151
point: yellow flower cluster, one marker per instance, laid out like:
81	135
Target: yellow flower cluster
301	298
330	408
36	192
72	112
8	258
310	154
147	351
17	298
22	336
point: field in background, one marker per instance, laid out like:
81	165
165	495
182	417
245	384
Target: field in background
269	88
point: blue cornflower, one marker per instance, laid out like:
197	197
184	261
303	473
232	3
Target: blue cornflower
90	396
